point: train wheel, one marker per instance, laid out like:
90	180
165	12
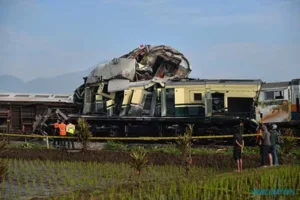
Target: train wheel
113	133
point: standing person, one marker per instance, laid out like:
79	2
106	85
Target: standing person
56	133
70	132
266	147
62	133
275	140
259	142
23	129
238	149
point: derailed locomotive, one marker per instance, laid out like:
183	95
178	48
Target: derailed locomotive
148	92
163	108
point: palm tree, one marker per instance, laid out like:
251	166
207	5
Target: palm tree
185	146
84	133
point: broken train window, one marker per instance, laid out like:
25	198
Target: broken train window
279	94
271	95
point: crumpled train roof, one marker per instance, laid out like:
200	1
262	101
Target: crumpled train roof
127	65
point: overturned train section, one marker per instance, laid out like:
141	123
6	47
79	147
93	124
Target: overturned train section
142	64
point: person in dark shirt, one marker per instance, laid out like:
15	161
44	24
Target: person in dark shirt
274	139
266	147
238	149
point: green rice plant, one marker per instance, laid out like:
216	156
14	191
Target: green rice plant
289	142
158	182
184	144
139	160
2	187
115	146
84	133
170	148
27	145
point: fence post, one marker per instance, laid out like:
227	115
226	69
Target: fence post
47	141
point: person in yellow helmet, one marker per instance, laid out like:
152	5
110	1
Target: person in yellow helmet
70	132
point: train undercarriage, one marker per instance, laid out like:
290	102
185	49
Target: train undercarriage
160	126
103	126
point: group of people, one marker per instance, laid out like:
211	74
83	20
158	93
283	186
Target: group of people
269	141
269	144
63	128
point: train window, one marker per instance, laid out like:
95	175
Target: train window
61	97
170	101
147	99
278	95
41	96
22	95
197	96
274	95
269	95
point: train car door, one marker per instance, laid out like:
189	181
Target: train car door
167	102
16	118
218	106
208	103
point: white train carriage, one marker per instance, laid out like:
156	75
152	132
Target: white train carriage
278	102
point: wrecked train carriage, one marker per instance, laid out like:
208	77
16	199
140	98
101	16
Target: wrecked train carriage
19	112
144	63
163	107
279	103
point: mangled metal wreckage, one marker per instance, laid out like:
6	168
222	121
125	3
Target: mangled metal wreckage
105	89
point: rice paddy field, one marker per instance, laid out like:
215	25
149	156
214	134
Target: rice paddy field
39	173
36	179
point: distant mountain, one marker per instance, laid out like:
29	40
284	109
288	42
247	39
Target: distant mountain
10	83
65	83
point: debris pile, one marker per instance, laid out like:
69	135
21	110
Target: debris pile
143	63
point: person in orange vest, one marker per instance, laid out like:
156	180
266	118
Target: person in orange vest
56	142
62	133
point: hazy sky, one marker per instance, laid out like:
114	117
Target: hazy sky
222	39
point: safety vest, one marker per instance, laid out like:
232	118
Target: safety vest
71	128
62	129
